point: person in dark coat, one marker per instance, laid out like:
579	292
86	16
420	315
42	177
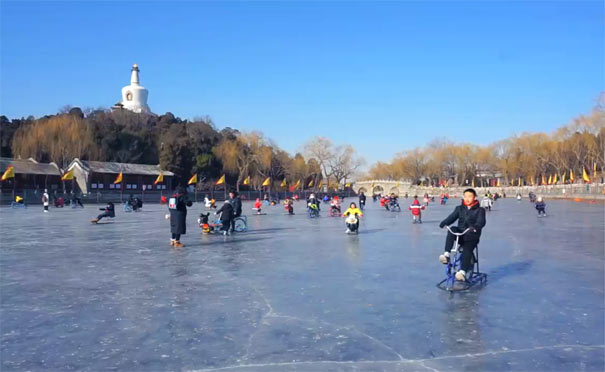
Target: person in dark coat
177	205
109	211
469	215
313	200
362	200
236	202
541	206
226	212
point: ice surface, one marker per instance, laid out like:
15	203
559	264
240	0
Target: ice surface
298	294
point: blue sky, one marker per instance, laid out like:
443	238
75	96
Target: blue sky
382	76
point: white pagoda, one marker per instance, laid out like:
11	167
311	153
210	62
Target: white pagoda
134	96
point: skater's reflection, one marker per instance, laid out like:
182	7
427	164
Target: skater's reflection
353	249
181	281
232	258
461	332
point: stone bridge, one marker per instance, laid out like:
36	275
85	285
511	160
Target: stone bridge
382	187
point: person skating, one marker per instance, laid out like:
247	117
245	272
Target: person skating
416	210
313	200
393	202
135	203
177	205
540	206
335	205
352	215
257	206
59	203
470	216
45	200
362	200
237	207
426	200
487	203
289	205
108	211
226	212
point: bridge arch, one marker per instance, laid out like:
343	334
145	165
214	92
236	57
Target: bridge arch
378	189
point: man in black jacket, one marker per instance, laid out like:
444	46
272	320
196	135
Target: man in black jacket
109	211
470	216
236	202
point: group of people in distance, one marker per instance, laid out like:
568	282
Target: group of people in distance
469	214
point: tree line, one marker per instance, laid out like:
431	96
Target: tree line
184	147
528	157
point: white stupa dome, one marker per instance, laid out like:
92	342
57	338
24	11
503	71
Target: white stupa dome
134	96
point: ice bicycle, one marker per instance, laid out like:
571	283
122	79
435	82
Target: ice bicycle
475	277
313	210
240	224
17	205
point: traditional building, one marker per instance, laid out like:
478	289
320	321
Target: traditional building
93	176
29	174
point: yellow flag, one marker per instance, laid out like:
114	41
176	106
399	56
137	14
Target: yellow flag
68	176
549	180
8	173
519	181
192	180
543	179
571	175
585	175
348	184
594	169
118	179
159	179
310	184
247	181
219	182
473	183
554	179
498	183
397	184
283	183
267	182
532	181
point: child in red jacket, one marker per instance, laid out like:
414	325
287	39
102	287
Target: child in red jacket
416	209
257	206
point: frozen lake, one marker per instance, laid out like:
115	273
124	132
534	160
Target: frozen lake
297	294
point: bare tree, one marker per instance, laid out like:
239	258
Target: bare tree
322	150
344	163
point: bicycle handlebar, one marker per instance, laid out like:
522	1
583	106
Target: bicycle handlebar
458	234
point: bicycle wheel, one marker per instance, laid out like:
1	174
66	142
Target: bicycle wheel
240	225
